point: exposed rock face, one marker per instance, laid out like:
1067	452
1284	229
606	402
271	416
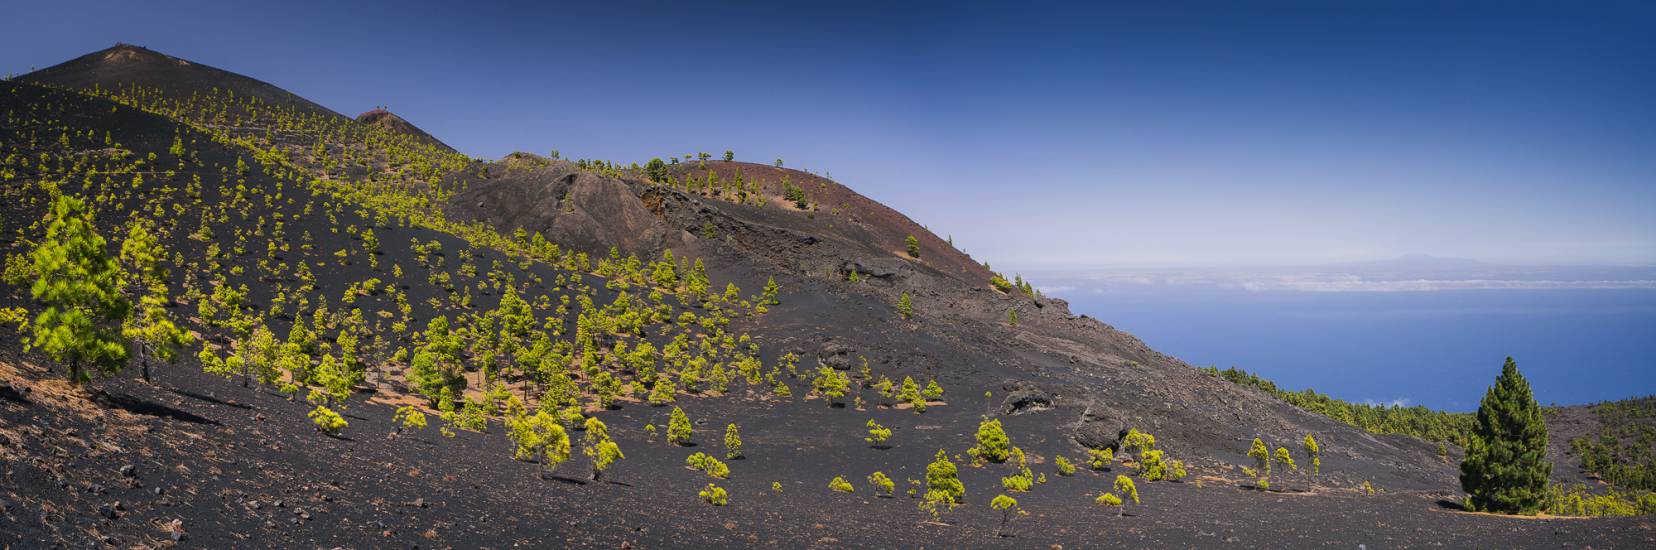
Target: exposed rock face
835	354
569	206
1100	427
1027	400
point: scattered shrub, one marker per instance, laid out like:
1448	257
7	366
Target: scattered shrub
1065	468
881	483
992	443
877	434
715	495
733	442
678	427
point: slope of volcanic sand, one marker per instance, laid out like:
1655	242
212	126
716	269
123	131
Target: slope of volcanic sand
127	65
390	121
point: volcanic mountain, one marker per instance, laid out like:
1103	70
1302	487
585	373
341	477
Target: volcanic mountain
363	268
390	121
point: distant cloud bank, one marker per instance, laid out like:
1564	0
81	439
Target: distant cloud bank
1358	284
1412	274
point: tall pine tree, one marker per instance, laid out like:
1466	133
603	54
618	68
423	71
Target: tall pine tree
80	286
1506	466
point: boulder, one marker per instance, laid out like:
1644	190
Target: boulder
1100	427
835	354
1027	400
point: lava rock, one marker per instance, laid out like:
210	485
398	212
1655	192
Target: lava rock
1027	400
1100	427
836	355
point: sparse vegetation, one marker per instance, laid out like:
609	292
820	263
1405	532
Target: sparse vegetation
1009	509
1417	421
881	483
992	443
678	427
715	495
877	434
944	490
732	442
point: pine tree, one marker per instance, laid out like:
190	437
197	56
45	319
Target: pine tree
905	306
678	427
1124	485
882	483
831	384
910	393
769	295
1261	471
943	487
80	286
877	434
733	442
1008	507
913	246
152	329
1313	452
436	364
992	443
598	446
1506	468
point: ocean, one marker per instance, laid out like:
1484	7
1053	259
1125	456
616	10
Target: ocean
1439	348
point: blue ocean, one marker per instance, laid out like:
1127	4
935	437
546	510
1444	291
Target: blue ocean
1440	348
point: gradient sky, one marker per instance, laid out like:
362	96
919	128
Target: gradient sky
1088	135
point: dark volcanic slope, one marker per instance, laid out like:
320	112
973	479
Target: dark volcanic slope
243	467
392	122
126	64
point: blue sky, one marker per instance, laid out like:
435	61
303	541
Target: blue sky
1094	135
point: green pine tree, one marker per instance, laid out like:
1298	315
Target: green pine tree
1506	466
79	285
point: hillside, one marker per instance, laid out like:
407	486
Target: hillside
311	256
126	65
390	121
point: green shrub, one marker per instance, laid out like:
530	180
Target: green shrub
715	495
992	443
733	442
1100	459
877	434
678	427
327	421
841	485
881	483
1065	468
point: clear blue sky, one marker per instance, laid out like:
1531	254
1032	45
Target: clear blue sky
1086	135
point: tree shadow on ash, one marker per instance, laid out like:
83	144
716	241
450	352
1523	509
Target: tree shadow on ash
210	399
1451	505
9	393
141	407
569	480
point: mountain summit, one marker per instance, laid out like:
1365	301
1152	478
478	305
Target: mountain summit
129	65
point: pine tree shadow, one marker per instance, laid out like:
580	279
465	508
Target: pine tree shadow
141	407
8	393
565	479
210	399
1451	505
